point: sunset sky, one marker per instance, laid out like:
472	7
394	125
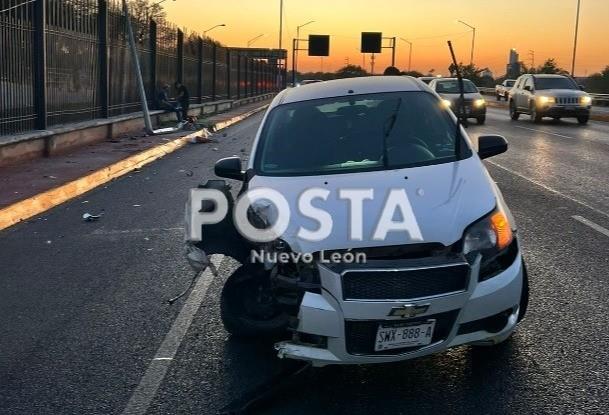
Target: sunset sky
545	26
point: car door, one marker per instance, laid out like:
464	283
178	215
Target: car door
516	91
528	91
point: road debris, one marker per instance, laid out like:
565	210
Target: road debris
87	217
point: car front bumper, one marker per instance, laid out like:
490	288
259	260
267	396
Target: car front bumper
564	111
465	317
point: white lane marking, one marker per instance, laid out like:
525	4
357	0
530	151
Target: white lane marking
591	224
549	189
155	373
546	132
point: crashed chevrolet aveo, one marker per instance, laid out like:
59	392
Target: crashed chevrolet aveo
455	276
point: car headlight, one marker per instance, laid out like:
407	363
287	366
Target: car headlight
493	239
480	102
446	103
545	100
585	100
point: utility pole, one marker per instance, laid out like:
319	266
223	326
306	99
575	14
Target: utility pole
575	39
372	63
280	22
471	59
409	52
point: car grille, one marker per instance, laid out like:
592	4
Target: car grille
363	284
361	335
567	100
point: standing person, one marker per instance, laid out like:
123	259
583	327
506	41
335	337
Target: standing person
164	103
183	98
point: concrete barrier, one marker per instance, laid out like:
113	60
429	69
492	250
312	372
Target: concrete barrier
61	139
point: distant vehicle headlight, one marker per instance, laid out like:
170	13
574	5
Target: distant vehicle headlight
480	102
585	100
446	103
545	100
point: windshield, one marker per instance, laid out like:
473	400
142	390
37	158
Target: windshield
510	83
452	87
358	133
555	83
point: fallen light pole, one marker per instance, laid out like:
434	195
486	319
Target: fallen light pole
140	80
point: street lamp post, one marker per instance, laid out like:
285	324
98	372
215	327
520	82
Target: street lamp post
295	49
252	40
471	59
575	39
213	27
409	51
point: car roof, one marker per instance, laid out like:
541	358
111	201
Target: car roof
546	75
348	86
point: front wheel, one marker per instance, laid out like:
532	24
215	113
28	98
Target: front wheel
498	97
513	113
583	119
247	305
481	119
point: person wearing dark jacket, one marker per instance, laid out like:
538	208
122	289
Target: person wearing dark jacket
164	103
183	98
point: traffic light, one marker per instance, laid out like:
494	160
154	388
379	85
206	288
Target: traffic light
319	45
371	42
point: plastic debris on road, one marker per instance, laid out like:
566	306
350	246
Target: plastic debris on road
87	217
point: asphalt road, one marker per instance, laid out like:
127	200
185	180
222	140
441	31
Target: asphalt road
85	325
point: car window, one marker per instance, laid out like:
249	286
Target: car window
452	87
555	83
509	83
528	82
357	133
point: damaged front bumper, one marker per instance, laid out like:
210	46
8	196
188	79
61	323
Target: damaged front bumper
344	330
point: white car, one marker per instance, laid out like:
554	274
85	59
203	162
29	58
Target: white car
456	276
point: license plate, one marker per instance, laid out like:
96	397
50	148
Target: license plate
404	335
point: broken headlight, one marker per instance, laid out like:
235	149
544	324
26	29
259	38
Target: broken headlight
493	239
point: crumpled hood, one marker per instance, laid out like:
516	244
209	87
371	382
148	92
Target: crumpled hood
445	199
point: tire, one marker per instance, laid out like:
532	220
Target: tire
513	113
481	119
247	308
535	116
498	97
583	119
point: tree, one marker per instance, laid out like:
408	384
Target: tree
550	67
351	71
473	73
599	82
415	74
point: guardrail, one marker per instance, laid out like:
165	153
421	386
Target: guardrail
597	99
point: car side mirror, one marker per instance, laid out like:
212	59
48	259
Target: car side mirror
528	88
491	145
229	168
583	88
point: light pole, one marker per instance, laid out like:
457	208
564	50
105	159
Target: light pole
575	39
252	40
213	27
295	51
409	51
471	59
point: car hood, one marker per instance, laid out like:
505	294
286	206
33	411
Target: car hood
468	97
565	93
445	199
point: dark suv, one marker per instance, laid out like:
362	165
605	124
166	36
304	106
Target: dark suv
553	96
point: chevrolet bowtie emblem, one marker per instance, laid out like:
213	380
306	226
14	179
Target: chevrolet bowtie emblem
408	310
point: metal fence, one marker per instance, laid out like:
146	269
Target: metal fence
64	61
